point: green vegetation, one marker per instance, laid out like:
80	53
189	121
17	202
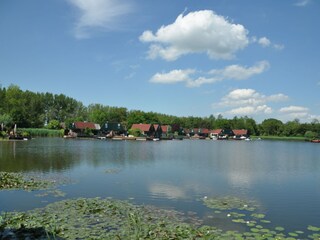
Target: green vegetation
95	218
292	138
41	132
18	181
46	110
135	132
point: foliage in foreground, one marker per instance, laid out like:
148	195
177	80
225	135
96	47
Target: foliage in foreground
10	181
97	218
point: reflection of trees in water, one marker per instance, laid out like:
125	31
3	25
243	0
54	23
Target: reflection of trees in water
47	155
18	156
122	153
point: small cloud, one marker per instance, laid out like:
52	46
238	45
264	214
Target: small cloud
264	42
238	72
302	3
197	32
250	110
98	14
278	46
294	109
232	72
248	102
173	76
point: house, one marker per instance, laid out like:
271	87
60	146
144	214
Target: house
84	129
221	134
146	129
112	127
163	130
240	133
199	132
214	134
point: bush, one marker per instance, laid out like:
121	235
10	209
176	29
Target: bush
42	132
310	135
135	132
53	124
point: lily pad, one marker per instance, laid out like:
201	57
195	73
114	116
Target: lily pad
9	180
229	203
280	229
313	228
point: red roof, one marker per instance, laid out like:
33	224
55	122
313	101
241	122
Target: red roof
164	128
85	125
216	131
239	132
204	130
141	126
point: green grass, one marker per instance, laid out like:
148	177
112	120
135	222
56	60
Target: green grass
283	138
42	132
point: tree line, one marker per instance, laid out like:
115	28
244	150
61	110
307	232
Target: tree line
38	110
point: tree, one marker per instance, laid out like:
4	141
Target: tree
5	121
53	124
311	135
272	127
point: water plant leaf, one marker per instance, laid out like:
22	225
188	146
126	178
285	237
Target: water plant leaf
313	228
279	229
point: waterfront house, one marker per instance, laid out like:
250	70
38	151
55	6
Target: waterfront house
146	129
240	133
85	129
215	133
199	132
112	127
162	130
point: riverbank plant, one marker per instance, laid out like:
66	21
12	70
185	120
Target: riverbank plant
9	181
42	132
95	218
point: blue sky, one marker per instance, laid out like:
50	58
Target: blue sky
183	58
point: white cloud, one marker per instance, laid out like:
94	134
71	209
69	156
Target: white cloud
248	102
249	97
239	72
101	14
264	42
302	3
294	109
173	76
232	72
250	110
197	32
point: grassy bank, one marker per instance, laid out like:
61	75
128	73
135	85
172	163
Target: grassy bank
42	132
282	138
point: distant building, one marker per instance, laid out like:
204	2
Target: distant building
85	129
146	129
115	128
240	133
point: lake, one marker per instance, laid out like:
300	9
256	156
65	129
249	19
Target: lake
283	177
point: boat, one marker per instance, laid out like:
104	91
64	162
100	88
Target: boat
315	140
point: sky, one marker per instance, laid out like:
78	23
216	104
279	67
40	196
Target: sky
252	58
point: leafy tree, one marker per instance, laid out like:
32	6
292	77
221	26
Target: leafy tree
311	135
5	121
135	132
272	127
53	124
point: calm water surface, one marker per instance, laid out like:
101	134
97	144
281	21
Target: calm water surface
284	177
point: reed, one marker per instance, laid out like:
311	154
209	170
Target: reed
42	132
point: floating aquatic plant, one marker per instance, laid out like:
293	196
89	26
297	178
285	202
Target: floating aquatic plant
229	203
96	218
19	181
